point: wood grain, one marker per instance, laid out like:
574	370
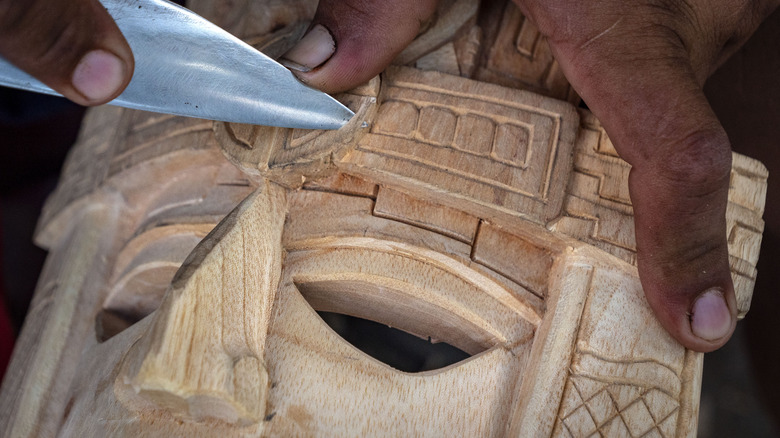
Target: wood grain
188	260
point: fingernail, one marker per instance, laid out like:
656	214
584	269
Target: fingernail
98	75
711	319
316	47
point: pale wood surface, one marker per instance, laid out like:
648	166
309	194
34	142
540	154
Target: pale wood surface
518	55
478	214
503	151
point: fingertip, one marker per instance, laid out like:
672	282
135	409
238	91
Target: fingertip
105	67
100	76
352	41
74	47
711	319
313	50
704	324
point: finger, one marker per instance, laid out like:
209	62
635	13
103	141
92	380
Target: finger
351	41
647	96
73	46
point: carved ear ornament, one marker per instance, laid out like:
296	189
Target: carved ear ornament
292	156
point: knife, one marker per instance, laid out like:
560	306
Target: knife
187	66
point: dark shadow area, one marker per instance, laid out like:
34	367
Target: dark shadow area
741	389
393	347
36	132
109	323
730	405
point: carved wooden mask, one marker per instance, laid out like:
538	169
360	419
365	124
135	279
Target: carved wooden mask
493	219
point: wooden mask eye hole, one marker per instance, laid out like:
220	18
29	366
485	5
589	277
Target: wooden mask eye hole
393	347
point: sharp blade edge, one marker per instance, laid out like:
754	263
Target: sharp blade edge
187	66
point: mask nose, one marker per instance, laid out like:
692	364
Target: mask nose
203	355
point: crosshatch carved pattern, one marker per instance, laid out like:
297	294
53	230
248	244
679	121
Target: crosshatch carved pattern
627	386
595	407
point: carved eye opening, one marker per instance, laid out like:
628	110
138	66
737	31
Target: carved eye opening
397	308
394	347
377	298
406	334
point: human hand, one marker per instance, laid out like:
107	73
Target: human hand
640	67
72	46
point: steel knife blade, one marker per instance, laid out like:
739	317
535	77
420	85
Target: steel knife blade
187	66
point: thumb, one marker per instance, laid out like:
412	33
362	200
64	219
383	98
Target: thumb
351	41
651	104
72	46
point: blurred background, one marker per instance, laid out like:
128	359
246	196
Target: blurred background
741	387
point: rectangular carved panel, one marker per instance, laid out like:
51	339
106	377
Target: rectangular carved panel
499	149
393	204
